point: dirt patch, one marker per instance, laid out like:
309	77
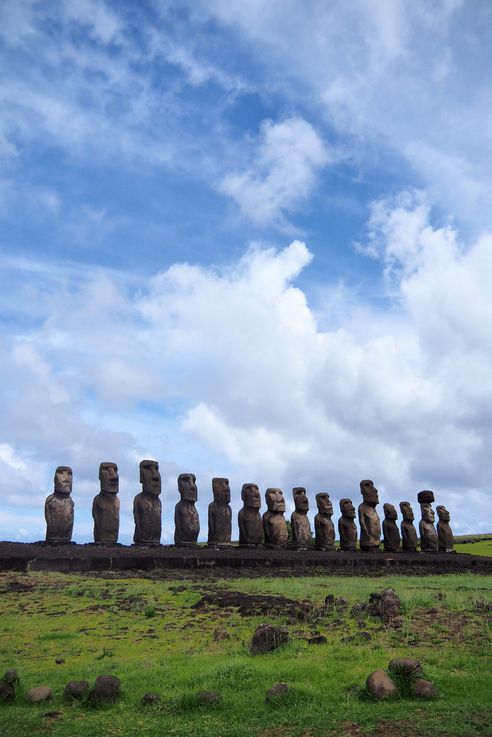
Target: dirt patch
253	605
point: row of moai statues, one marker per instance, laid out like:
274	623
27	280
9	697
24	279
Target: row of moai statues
254	529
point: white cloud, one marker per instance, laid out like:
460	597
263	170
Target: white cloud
283	173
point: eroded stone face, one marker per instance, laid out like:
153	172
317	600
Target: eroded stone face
186	520
106	505
445	538
346	526
147	507
428	533
219	513
408	531
301	529
391	534
370	524
249	518
58	508
324	528
274	524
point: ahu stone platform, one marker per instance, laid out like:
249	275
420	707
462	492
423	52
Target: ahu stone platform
72	558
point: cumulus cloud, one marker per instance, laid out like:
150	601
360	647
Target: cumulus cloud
239	378
283	173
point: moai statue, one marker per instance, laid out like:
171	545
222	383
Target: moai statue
58	509
445	539
147	507
249	518
428	533
106	506
219	514
302	537
370	526
186	520
408	531
274	524
391	534
346	525
324	529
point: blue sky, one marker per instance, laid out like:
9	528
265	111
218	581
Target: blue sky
248	239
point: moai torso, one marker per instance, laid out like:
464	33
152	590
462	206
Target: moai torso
106	506
346	526
249	518
370	525
219	513
186	520
428	532
445	538
274	524
147	507
324	529
58	508
408	531
391	533
301	529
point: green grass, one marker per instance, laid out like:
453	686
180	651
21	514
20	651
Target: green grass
478	547
148	633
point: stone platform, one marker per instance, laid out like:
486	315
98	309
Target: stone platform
26	557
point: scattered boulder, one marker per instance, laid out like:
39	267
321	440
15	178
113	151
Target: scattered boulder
7	691
209	698
387	606
317	640
268	637
278	691
39	693
59	661
423	689
380	685
150	698
11	676
77	689
53	714
106	690
407	667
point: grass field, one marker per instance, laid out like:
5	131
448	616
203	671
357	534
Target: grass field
150	634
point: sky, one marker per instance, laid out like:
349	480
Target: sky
245	239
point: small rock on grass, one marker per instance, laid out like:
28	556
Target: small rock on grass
7	691
268	637
277	691
11	676
209	698
380	685
77	689
150	698
106	690
316	640
423	689
407	667
39	693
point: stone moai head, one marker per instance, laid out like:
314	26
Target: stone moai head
369	493
407	511
428	513
108	476
250	494
301	501
150	477
323	502
221	491
389	511
275	500
63	480
442	513
187	487
347	508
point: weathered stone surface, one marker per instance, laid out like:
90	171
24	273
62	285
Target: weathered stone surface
274	524
38	694
408	531
186	520
11	676
219	513
106	506
105	690
147	507
150	698
249	518
209	698
58	508
428	533
302	537
277	691
389	606
268	637
317	640
346	525
76	689
407	667
423	689
370	525
380	685
425	497
445	538
391	534
7	691
324	528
